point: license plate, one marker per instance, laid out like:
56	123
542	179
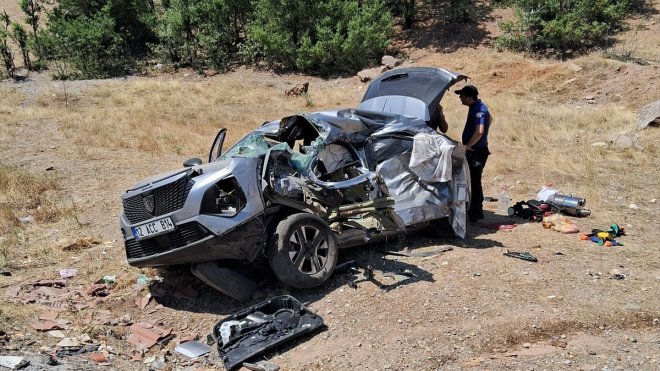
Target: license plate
153	228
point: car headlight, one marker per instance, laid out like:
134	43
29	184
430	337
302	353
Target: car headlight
225	198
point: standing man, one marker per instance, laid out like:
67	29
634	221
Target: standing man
475	139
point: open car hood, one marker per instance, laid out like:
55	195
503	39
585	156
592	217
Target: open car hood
410	91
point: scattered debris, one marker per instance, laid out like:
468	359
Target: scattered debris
74	350
13	362
419	254
143	301
145	335
193	349
605	238
142	280
521	255
48	316
99	357
68	273
559	223
46	326
594	275
26	219
261	366
50	283
262	327
56	334
79	244
505	226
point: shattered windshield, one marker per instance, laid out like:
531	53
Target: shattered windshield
252	145
256	145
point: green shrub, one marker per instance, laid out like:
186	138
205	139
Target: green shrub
318	37
201	33
98	38
562	25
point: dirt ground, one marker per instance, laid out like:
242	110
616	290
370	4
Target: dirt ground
579	307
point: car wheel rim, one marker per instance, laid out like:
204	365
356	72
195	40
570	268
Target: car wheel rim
308	249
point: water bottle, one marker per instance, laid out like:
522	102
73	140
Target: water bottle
504	202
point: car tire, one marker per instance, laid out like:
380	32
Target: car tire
302	253
223	278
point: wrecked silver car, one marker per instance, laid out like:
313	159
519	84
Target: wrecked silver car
295	190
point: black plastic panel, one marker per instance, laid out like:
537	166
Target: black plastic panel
279	320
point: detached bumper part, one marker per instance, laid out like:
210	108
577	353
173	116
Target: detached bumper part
262	327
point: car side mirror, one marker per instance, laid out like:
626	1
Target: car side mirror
192	162
216	148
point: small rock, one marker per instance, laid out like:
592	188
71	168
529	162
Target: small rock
563	336
567	362
400	321
477	274
624	139
632	307
526	345
589	97
649	115
26	219
599	144
390	62
369	74
652	201
574	67
591	353
633	207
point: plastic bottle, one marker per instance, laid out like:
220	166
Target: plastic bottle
504	202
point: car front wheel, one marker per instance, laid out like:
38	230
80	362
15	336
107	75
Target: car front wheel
302	252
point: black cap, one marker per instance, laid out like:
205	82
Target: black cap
468	90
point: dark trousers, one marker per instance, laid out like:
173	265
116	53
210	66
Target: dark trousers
477	161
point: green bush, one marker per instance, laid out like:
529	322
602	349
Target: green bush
564	26
98	38
201	33
318	37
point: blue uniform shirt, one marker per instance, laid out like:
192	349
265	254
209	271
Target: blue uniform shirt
477	115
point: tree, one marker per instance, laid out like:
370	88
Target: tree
202	33
5	51
21	38
99	38
32	8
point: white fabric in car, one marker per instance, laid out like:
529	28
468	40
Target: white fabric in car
431	157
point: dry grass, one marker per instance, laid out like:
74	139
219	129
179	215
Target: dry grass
25	194
172	115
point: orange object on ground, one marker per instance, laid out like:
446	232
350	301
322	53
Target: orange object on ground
559	223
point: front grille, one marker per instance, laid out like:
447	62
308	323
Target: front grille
184	235
167	199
